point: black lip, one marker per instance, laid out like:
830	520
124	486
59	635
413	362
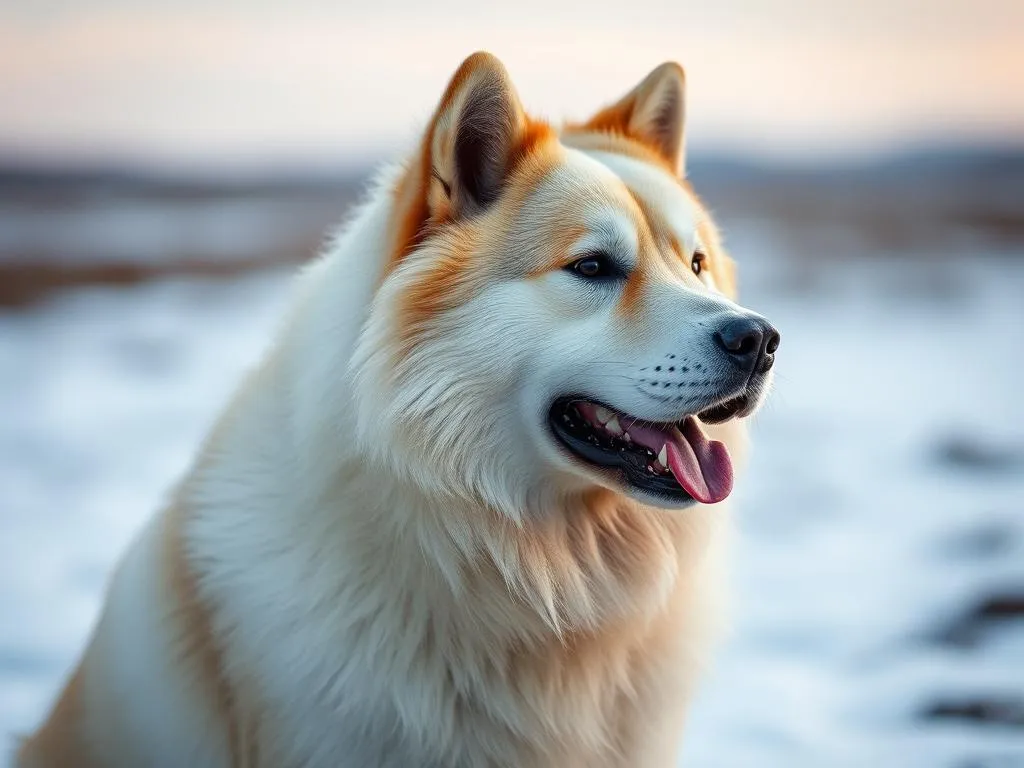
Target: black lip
716	414
631	465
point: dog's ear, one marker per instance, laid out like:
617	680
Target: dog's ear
653	113
475	133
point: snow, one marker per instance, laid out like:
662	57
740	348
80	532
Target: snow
883	500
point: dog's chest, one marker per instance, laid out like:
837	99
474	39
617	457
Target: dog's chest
376	700
348	665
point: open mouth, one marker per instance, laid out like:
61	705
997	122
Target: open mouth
673	460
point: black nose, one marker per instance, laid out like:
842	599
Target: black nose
750	341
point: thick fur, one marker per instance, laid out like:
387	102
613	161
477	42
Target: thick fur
380	556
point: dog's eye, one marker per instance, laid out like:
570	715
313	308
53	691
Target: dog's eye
595	266
697	264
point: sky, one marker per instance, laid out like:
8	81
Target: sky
236	82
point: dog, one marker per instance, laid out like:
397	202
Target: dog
469	508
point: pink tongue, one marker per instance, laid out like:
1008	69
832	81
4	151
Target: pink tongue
701	466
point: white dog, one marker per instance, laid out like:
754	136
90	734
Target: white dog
465	512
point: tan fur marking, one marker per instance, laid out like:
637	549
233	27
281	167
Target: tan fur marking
562	243
446	284
60	740
727	276
677	249
722	267
196	645
647	254
411	210
535	136
632	294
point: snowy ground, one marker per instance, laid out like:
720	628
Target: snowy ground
882	516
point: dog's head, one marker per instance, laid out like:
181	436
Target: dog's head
556	312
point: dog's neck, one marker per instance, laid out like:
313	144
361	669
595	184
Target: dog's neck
579	564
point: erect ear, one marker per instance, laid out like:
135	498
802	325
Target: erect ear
475	132
652	113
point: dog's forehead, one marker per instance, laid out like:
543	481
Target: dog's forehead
578	199
602	191
659	192
581	184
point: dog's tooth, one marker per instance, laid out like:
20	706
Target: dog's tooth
626	437
613	426
663	456
603	414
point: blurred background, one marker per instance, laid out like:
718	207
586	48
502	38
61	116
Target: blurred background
165	165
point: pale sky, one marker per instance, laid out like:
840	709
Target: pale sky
216	81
